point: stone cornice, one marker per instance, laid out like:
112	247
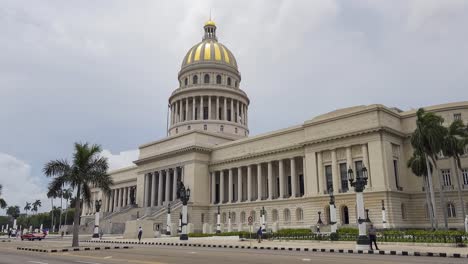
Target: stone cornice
357	133
172	153
209	88
218	135
256	155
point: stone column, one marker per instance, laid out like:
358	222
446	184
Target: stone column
128	195
217	108
259	182
116	199
201	107
293	177
221	185
193	107
160	188
209	107
232	110
146	188
125	197
168	184
249	183
213	187
230	186
281	178
321	181
174	184
225	109
239	184
186	109
335	173
153	191
270	180
349	159
365	161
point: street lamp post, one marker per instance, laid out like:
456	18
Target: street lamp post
229	222
168	221
97	204
218	222
359	185
367	216
384	215
184	195
332	211
262	215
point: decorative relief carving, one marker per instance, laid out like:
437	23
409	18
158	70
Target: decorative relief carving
326	156
395	150
341	154
356	151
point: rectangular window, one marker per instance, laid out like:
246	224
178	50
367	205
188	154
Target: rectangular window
329	177
465	176
205	112
358	165
446	177
301	185
457	116
344	177
289	187
395	171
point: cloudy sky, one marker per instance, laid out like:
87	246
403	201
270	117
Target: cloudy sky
102	71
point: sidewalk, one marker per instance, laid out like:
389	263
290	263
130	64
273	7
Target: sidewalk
301	245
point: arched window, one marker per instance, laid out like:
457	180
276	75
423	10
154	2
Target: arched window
274	215
286	215
205	127
195	79
233	217
221	128
235	130
189	127
229	81
252	214
403	211
242	216
451	212
186	81
177	130
299	215
218	79
224	218
206	79
203	218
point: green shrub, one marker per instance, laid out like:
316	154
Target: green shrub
348	231
294	232
334	237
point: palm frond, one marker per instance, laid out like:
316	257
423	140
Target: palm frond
3	203
56	168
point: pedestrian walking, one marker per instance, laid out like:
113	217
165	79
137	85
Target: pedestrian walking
9	233
372	237
140	233
259	235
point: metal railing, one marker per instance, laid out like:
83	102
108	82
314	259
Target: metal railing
455	239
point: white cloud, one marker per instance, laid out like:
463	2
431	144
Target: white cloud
121	160
19	185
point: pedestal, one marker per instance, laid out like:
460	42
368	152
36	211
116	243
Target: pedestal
363	240
96	226
218	223
184	235
333	218
263	224
168	225
229	225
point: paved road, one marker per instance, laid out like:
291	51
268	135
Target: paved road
169	254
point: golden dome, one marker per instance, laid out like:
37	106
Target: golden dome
210	23
209	51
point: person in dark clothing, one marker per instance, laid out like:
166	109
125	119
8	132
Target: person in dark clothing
372	237
259	235
140	233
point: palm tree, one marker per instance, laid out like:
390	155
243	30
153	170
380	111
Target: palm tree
52	194
36	205
87	169
417	164
67	195
455	142
13	211
3	204
427	139
27	207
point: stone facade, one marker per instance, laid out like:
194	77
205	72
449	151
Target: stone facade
289	172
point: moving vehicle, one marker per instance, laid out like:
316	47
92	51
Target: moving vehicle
33	236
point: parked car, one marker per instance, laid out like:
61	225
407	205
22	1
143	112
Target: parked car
33	236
